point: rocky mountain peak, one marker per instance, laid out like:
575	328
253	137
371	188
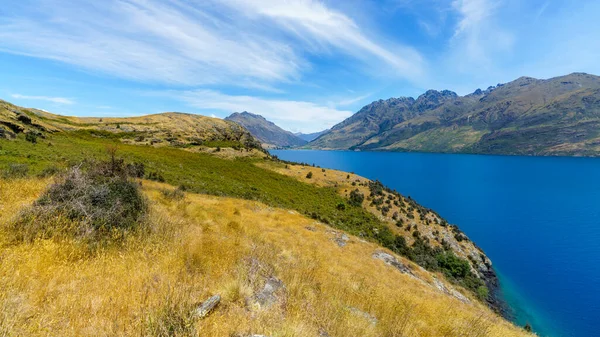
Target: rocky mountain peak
431	99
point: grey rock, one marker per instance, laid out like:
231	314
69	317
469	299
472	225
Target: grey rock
207	306
341	239
392	261
267	296
449	290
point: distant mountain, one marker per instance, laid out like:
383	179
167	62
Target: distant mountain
528	116
265	131
309	136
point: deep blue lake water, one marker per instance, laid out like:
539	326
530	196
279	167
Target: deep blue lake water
537	218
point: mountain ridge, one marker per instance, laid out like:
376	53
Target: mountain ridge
528	116
265	131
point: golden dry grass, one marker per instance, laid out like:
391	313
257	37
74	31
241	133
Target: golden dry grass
345	182
204	245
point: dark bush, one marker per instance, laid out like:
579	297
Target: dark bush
341	206
356	198
91	204
309	175
136	170
155	176
31	137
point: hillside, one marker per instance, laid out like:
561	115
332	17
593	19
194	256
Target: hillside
558	116
269	134
333	254
165	129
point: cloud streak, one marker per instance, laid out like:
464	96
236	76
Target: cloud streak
291	115
477	37
244	43
58	100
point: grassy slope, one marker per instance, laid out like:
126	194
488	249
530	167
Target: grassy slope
199	172
204	245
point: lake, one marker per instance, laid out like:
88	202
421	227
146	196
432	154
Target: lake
537	218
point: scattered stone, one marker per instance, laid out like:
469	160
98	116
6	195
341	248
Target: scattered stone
323	333
449	290
207	306
372	319
392	261
267	296
341	239
310	228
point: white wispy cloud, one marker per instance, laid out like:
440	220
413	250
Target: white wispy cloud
235	42
59	100
320	28
147	40
290	115
349	100
477	36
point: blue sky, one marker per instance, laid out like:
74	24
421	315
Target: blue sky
303	64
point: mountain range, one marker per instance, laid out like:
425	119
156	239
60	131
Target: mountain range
269	134
309	136
528	116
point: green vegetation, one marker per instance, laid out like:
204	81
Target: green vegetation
356	198
241	178
15	171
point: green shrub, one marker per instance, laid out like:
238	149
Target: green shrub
91	205
309	175
155	176
14	171
136	170
356	198
453	266
31	137
341	206
49	172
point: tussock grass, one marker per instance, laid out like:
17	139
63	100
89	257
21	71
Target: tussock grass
100	203
202	245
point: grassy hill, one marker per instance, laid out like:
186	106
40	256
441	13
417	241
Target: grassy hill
269	134
165	129
232	226
558	116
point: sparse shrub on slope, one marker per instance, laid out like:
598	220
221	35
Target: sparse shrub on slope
15	171
356	198
98	203
173	194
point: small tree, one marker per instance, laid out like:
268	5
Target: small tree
356	198
31	137
112	153
309	175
